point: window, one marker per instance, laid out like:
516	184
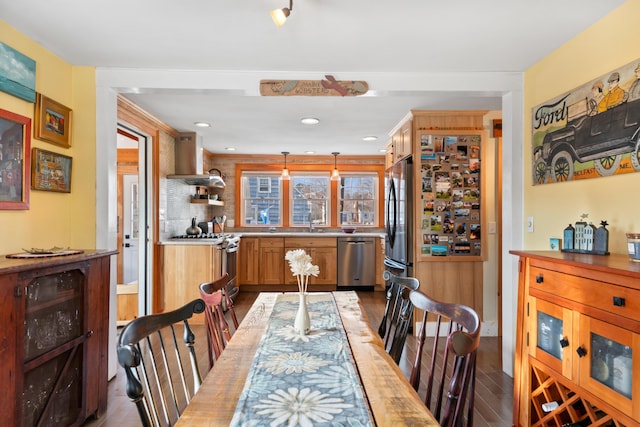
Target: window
310	198
358	199
261	198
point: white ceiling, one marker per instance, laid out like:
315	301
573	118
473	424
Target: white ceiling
323	36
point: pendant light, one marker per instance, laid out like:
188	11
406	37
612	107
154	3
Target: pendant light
335	175
285	172
280	16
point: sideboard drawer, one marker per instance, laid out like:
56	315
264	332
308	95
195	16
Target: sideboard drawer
615	299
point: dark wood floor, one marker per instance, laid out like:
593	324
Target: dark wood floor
494	389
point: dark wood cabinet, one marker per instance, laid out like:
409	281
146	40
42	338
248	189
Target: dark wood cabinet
54	340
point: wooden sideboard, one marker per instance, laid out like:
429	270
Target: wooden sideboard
578	340
54	340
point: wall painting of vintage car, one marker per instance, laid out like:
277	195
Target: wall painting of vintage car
590	132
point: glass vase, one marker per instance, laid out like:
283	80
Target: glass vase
302	322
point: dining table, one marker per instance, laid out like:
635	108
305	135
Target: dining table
337	374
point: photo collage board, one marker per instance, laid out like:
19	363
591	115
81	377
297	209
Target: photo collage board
450	180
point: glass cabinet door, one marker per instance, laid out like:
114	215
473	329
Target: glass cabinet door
549	335
608	355
53	337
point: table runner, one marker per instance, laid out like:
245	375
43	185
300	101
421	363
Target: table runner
303	380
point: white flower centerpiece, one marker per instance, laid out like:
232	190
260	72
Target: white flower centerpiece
302	268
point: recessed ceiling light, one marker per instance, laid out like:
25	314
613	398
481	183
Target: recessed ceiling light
383	150
369	138
309	152
230	148
202	124
309	121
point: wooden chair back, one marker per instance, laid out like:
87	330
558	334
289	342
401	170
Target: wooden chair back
398	313
450	382
162	371
219	333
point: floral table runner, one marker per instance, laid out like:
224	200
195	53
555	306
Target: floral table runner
303	380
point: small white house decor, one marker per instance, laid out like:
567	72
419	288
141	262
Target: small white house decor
301	267
585	238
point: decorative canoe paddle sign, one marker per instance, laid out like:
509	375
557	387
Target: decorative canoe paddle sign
328	86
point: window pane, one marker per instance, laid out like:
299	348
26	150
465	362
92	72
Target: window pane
310	199
358	198
261	196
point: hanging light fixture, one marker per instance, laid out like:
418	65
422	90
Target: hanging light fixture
335	175
285	172
280	16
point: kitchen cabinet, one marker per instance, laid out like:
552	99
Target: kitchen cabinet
249	261
401	145
388	156
54	351
271	256
578	339
324	254
185	267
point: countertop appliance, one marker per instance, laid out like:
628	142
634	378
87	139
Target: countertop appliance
398	218
356	262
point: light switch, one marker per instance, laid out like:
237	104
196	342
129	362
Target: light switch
530	224
491	225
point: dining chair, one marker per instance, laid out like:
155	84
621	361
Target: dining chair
162	373
216	297
398	313
450	382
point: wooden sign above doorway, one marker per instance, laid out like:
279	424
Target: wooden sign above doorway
328	86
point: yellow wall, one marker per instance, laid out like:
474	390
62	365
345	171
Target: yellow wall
56	219
610	43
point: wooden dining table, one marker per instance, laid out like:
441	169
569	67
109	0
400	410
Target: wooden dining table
390	398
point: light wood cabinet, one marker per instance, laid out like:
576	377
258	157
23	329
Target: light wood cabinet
323	252
271	256
54	338
389	156
578	340
249	261
185	267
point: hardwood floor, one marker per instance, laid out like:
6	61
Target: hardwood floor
494	389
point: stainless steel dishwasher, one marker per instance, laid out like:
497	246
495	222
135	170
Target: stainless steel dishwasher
356	262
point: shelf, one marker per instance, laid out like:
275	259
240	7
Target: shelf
209	202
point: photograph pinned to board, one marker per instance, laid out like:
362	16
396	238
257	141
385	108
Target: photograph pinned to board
52	121
17	74
50	171
15	145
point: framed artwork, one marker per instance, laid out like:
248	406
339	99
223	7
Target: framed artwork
15	145
52	121
50	171
17	74
590	131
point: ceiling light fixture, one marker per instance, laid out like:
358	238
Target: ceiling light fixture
230	148
309	121
335	175
202	124
285	172
280	16
370	138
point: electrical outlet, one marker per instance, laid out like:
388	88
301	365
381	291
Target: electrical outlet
530	224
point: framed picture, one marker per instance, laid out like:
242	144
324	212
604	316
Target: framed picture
52	121
50	171
15	152
17	74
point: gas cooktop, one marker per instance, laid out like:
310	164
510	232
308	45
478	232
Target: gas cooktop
200	236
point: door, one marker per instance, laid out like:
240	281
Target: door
130	232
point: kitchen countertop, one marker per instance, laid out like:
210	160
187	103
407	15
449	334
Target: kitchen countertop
318	234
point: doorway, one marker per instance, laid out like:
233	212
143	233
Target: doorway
132	226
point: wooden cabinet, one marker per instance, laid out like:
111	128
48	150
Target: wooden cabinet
401	145
271	256
262	262
324	254
578	340
54	340
249	261
389	157
184	268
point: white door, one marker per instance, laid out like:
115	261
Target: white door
130	229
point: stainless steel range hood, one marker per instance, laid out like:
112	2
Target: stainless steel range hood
188	159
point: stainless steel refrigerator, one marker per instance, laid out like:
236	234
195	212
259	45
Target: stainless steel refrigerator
398	219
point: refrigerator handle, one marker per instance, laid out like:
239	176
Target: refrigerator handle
391	200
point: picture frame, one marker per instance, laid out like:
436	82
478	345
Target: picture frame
15	153
17	74
50	171
52	121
